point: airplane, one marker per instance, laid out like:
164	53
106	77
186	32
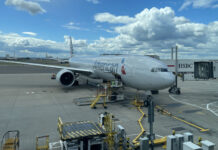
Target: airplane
139	72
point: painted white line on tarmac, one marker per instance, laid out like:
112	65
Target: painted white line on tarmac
208	108
173	98
207	105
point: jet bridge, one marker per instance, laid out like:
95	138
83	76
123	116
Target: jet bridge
190	69
203	70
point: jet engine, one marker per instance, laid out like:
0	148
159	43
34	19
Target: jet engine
66	77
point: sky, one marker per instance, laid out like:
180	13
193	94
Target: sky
32	28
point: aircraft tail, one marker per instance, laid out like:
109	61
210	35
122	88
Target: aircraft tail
71	48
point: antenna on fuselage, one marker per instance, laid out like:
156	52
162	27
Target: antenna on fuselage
71	47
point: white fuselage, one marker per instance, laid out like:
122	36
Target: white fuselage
140	72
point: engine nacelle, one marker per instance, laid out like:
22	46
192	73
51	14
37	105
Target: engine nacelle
66	77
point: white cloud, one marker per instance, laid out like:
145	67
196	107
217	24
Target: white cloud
74	26
153	24
199	4
76	43
42	0
110	18
93	1
215	6
15	42
71	25
155	30
30	33
29	6
26	51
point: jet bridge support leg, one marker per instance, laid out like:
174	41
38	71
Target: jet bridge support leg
174	89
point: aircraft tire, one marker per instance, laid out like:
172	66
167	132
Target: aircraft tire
178	92
105	81
146	103
170	90
76	83
154	91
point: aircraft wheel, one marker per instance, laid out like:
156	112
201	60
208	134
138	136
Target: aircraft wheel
149	98
170	90
154	91
76	83
146	101
178	92
105	81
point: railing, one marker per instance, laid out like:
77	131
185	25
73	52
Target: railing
10	140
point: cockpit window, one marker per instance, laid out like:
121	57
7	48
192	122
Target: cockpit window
159	70
164	70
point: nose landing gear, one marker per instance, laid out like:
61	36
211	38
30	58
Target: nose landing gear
147	100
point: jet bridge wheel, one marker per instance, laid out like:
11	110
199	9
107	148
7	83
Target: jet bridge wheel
178	92
174	90
146	101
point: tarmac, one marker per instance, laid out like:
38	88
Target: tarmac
31	103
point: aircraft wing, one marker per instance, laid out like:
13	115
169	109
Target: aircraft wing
77	70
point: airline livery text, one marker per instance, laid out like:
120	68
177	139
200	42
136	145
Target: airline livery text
106	67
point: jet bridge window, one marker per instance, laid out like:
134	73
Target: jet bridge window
159	70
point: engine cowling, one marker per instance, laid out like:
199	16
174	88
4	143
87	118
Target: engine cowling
66	77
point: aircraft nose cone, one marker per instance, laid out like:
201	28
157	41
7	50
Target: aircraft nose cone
170	79
166	80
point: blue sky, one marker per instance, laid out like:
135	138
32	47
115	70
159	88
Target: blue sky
34	27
